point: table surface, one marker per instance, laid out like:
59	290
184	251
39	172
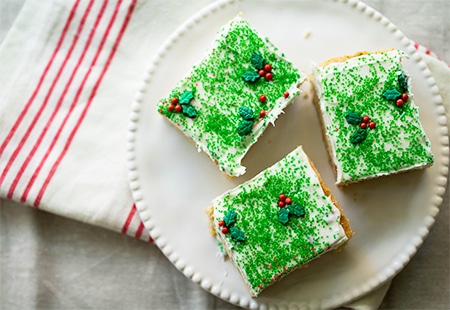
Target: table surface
49	262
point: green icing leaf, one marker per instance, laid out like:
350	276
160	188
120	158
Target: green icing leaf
391	94
251	76
283	216
358	136
403	80
257	61
353	118
245	128
246	113
189	111
237	234
230	217
296	209
186	97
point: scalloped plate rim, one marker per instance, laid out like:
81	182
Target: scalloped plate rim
152	227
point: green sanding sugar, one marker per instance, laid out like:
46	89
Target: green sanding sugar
220	90
396	143
272	249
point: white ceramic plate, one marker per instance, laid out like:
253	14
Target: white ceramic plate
172	184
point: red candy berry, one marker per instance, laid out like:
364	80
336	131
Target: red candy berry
286	94
262	98
405	97
365	119
171	107
267	67
174	100
178	108
261	73
268	76
221	223
363	125
262	113
288	201
399	103
372	125
225	230
282	197
281	203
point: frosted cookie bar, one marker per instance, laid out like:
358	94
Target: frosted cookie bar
370	121
226	101
278	221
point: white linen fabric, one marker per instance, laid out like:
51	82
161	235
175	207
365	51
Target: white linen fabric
69	72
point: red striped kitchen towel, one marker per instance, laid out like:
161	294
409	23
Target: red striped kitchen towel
69	72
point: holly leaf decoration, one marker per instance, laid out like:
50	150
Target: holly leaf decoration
246	113
230	217
283	216
245	127
353	118
391	94
189	111
403	81
186	96
358	136
251	76
257	61
296	209
237	234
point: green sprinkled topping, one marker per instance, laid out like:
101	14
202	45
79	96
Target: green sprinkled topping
218	91
277	240
369	84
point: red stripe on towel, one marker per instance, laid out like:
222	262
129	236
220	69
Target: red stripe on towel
41	79
139	230
128	220
35	119
58	105
91	97
60	101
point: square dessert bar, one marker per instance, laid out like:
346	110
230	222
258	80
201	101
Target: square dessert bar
278	221
226	101
370	122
